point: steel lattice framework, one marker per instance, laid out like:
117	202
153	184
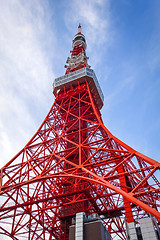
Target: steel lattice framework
73	164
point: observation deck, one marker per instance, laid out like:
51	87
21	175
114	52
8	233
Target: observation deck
80	76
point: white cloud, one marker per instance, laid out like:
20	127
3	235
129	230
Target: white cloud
95	16
25	71
26	41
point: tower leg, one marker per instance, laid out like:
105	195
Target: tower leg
127	205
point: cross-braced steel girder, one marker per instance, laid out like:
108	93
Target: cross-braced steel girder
72	164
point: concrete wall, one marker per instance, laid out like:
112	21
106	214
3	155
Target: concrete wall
147	229
91	231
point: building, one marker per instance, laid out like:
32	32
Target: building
88	228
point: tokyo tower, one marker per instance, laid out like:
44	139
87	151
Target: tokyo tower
74	164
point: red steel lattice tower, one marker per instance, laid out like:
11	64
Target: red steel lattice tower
74	164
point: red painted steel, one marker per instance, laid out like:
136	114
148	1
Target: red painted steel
78	58
73	164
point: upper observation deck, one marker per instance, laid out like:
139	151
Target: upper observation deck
78	77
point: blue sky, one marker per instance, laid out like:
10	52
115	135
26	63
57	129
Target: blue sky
123	38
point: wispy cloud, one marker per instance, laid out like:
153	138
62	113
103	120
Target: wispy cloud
27	38
95	16
25	70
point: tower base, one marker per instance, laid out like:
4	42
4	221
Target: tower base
90	228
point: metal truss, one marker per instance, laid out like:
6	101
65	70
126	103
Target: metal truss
72	164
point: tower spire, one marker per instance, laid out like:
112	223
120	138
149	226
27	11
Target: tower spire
79	28
78	57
